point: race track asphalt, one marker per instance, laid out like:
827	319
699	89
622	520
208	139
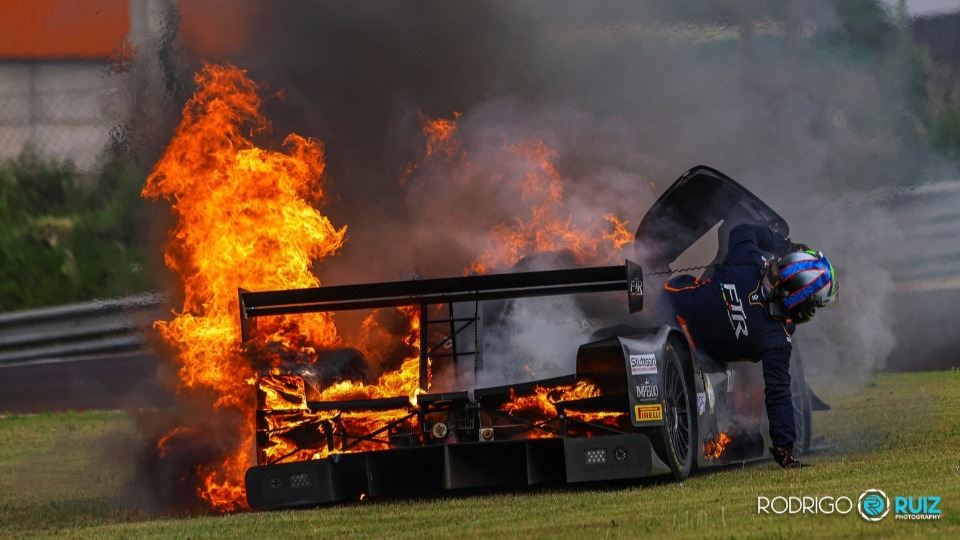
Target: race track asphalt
104	382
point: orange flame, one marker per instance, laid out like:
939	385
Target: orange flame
441	135
620	235
547	225
162	442
245	217
441	139
402	382
284	399
713	449
545	399
543	402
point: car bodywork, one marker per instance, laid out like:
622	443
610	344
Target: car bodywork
657	407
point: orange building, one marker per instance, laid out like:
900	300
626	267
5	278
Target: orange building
54	57
62	29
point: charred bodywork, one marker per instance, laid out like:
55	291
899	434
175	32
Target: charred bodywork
640	402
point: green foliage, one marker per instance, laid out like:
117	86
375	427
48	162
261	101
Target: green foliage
876	78
66	238
945	133
858	77
863	25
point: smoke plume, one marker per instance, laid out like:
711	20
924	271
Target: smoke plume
629	95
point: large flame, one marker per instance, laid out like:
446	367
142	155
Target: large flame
546	224
245	217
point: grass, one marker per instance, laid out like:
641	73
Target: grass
66	475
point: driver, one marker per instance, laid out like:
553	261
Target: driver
749	309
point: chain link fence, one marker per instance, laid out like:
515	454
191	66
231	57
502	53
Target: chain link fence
55	110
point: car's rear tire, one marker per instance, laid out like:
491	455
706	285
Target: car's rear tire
679	420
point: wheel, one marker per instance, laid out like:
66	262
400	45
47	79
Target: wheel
801	403
680	423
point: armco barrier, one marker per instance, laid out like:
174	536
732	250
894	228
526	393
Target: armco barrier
75	330
927	254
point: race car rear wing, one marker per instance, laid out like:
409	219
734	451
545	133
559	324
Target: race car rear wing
628	277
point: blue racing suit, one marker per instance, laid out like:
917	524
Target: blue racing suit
726	316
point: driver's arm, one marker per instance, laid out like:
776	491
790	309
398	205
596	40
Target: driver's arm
747	240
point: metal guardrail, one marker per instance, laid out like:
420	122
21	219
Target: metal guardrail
926	256
75	330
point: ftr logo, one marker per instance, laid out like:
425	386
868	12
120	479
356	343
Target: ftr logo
738	317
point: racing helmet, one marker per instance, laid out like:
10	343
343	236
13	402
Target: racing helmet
807	282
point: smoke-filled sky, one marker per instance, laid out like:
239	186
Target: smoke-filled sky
628	94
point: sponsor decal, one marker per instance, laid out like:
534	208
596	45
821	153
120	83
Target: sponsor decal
647	390
645	413
711	398
636	287
686	332
735	312
643	364
701	403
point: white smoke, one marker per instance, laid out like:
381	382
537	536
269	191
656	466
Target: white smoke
537	338
854	337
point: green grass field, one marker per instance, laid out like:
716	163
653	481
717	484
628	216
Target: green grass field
65	475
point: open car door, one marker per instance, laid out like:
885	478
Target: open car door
700	199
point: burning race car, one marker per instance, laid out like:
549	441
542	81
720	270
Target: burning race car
641	402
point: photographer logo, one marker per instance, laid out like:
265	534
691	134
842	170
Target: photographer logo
873	505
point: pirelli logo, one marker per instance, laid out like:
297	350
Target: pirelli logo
647	413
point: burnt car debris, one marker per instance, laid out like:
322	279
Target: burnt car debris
640	402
